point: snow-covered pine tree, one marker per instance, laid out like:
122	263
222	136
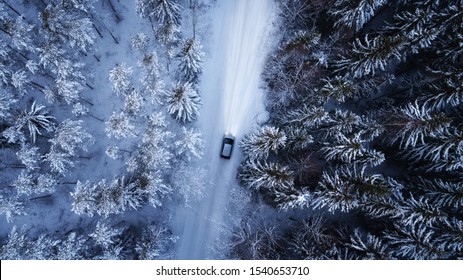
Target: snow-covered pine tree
20	33
35	120
190	144
259	144
441	152
293	199
442	193
104	235
133	103
164	11
411	124
421	211
308	116
120	76
183	102
11	207
85	197
311	239
69	82
451	238
71	135
191	59
29	156
6	102
351	150
339	88
414	242
119	126
117	197
19	80
369	56
348	187
355	13
154	243
155	187
71	248
258	175
369	246
16	247
140	42
59	161
297	138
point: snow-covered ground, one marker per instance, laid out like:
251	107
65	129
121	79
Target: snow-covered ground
232	102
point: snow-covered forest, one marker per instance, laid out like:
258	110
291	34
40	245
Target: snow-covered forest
112	113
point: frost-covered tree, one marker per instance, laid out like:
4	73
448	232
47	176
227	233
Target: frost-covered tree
190	144
348	187
355	13
116	197
113	152
11	207
183	102
59	161
28	183
369	246
265	175
71	248
140	42
155	188
71	135
442	193
421	211
133	103
297	138
35	120
119	126
20	80
120	76
154	243
369	56
69	82
410	125
259	144
414	242
442	151
79	110
16	247
20	33
6	102
164	11
85	196
29	156
104	235
351	150
190	59
308	116
339	88
293	199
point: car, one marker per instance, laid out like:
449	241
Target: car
227	146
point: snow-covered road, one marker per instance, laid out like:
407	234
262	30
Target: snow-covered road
232	102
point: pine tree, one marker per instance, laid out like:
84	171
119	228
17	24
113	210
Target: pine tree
307	116
311	238
351	150
442	193
422	211
140	42
297	138
259	144
451	238
409	126
154	243
414	242
72	248
6	102
120	76
355	13
20	33
104	235
85	196
369	56
164	11
60	161
339	88
190	145
36	119
119	126
19	80
265	175
183	102
154	187
71	135
11	207
133	103
370	246
16	247
29	156
190	59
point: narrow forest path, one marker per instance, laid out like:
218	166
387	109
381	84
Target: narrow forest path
232	101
